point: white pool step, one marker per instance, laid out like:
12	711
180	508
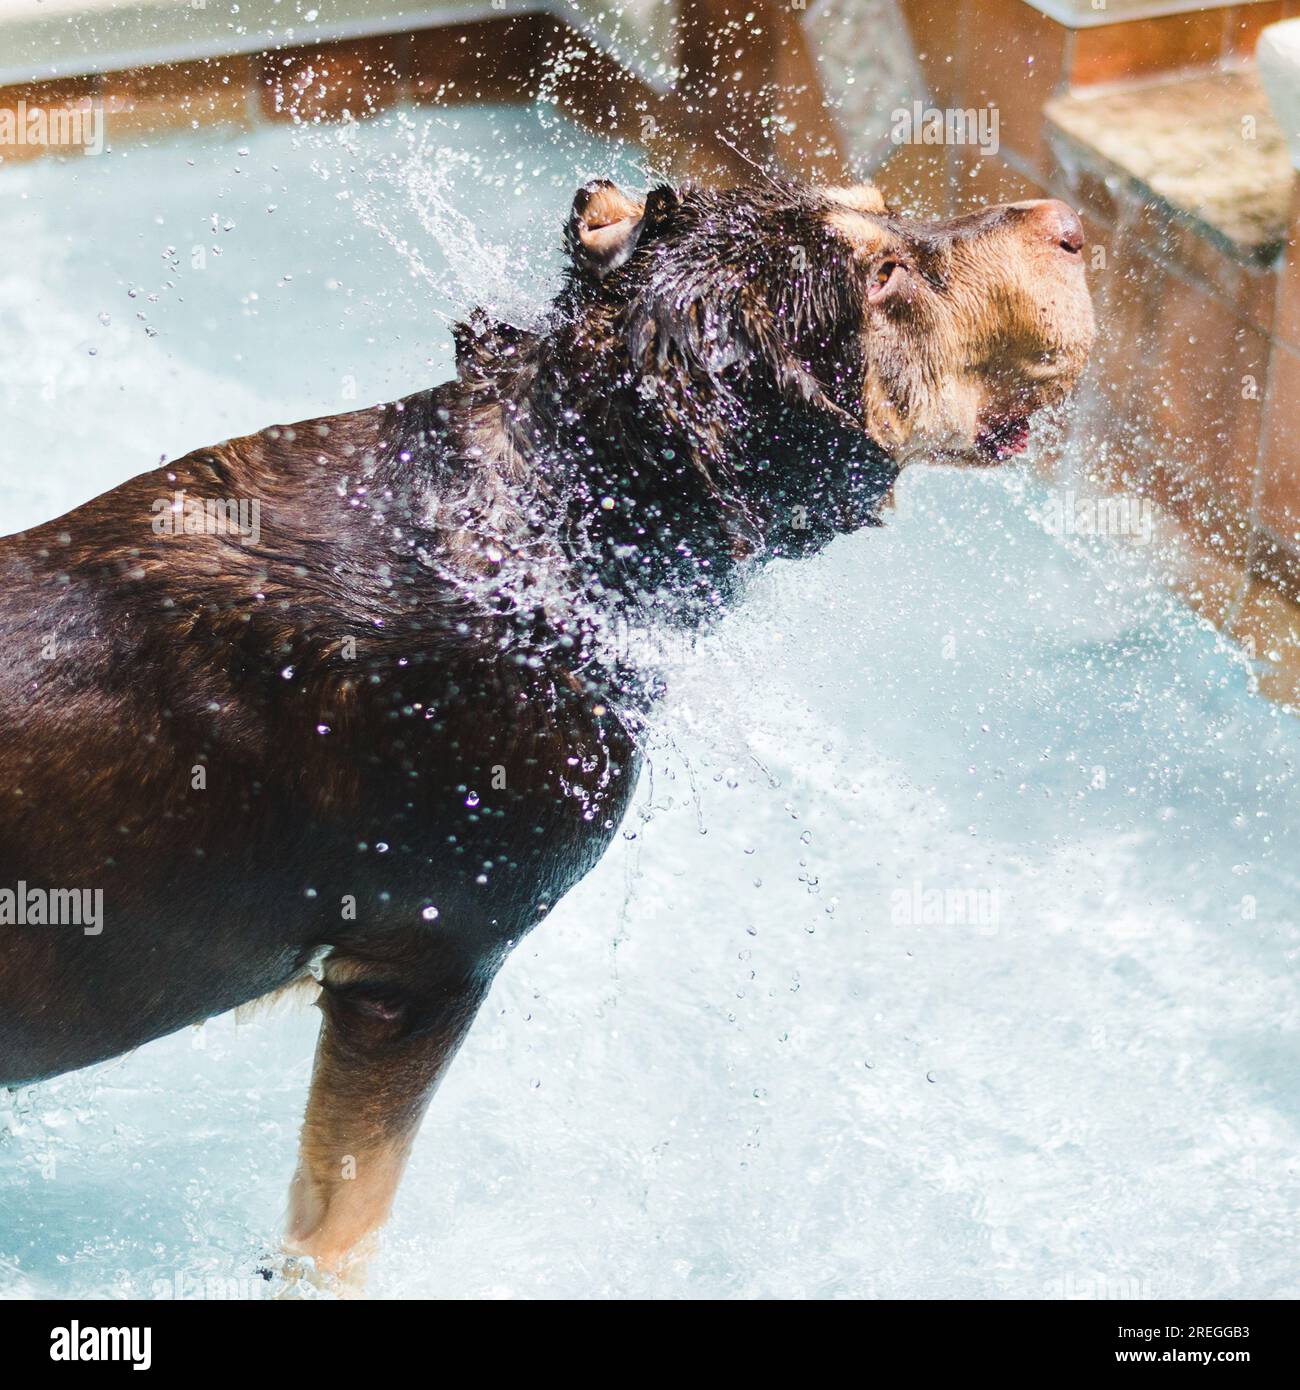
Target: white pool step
1278	58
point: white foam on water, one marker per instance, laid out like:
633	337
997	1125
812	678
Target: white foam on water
737	1060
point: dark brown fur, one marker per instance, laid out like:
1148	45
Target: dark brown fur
411	694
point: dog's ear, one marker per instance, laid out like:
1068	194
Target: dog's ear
606	226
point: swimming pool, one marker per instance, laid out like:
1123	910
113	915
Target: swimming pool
949	949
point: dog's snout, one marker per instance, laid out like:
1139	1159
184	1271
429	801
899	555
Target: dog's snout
1054	221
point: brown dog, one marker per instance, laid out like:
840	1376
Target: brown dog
353	691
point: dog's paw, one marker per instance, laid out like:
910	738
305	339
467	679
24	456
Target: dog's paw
289	1276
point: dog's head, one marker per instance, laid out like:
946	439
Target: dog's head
938	340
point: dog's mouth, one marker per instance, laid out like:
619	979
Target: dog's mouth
995	442
1003	439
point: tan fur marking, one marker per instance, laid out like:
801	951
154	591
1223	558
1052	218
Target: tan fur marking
862	197
334	1219
864	235
302	991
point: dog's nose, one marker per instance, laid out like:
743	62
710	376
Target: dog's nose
1054	221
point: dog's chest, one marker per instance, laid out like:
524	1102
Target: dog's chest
478	791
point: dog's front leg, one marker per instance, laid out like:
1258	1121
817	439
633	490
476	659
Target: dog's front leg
389	1031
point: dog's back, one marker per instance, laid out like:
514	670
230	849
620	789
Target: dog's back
256	738
132	758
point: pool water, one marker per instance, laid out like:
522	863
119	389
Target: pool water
950	948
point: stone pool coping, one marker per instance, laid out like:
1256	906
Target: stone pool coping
1206	149
61	39
507	57
645	79
1084	14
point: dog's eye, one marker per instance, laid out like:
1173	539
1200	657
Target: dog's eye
887	280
